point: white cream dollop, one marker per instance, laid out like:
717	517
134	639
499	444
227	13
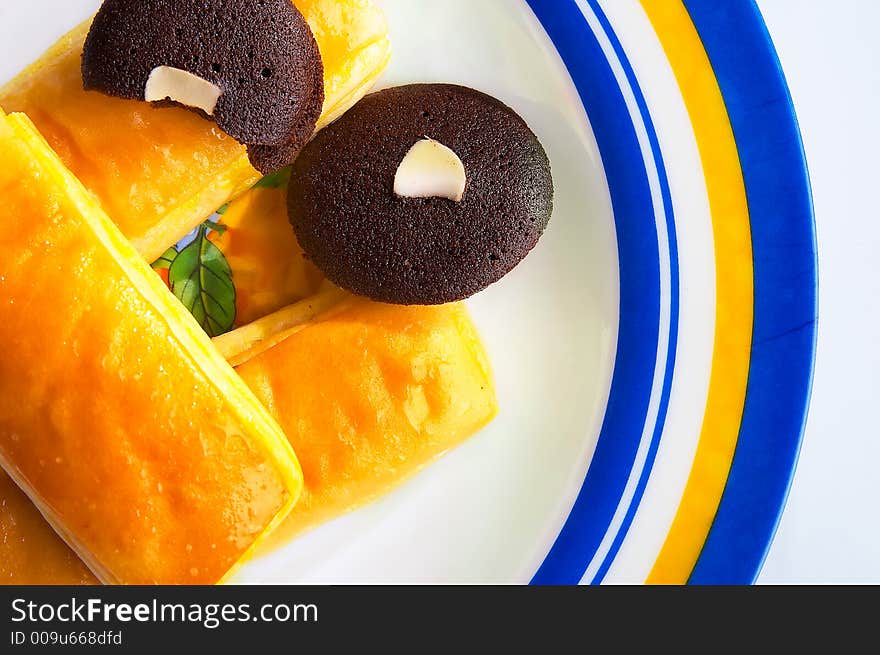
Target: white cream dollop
430	170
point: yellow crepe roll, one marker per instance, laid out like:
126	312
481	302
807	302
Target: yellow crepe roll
368	394
30	551
159	172
118	417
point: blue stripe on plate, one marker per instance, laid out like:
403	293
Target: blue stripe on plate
638	330
674	292
784	245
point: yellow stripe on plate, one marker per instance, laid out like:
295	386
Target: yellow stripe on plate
734	291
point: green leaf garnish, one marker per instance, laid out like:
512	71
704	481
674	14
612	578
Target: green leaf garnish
275	180
166	259
219	228
201	279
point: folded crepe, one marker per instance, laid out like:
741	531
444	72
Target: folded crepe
118	417
31	553
368	395
159	172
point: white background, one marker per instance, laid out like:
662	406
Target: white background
830	532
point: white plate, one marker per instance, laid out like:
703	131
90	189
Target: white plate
654	354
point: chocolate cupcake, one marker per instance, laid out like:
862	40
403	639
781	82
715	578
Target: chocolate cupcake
421	194
253	67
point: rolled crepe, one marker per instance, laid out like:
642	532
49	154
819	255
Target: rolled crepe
159	172
30	551
368	393
118	418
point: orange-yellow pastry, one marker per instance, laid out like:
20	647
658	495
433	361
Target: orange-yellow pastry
159	172
352	36
30	551
118	418
368	393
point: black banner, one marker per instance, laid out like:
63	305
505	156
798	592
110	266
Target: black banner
126	619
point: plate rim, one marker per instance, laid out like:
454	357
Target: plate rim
765	457
735	548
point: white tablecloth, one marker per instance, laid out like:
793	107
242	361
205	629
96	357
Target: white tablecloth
830	532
